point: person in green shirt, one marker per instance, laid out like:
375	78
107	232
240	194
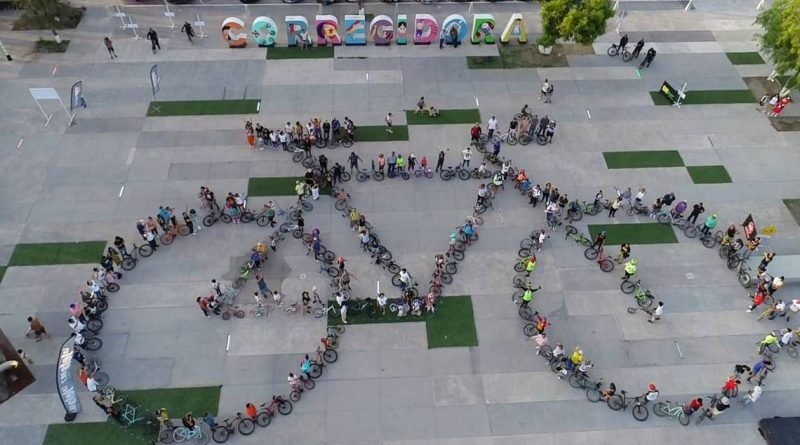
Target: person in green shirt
401	162
527	296
710	223
770	339
630	268
530	265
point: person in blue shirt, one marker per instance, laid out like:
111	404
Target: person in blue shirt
305	367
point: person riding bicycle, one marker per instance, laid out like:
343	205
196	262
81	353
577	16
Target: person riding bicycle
608	392
483	192
188	421
250	410
543	123
769	339
405	278
677	211
652	393
530	265
630	268
730	233
527	296
294	382
623	42
526	111
731	385
469	231
305	367
693	406
576	358
718	408
709	225
498	179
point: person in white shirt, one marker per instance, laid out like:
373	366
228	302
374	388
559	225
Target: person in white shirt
466	156
788	337
652	393
540	340
492	126
343	311
382	302
545	89
752	396
294	382
277	298
656	315
405	278
640	195
340	299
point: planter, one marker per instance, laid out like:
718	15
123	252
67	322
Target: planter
546	50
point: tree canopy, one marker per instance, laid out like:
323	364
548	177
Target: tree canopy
581	21
781	37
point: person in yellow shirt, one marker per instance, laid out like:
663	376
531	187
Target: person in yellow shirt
577	357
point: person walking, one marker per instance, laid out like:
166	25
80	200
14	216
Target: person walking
110	47
388	120
656	315
454	36
187	29
152	36
492	127
215	287
637	49
36	328
262	286
440	161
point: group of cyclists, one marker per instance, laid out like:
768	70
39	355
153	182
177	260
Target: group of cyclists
305	136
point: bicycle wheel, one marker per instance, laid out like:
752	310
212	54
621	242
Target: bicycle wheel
361	176
393	268
95	325
463	174
209	221
330	356
480	208
591	253
709	242
626	56
724	251
525	139
632	310
224	217
525	312
101	378
165	435
612	50
308	162
145	250
627	287
404	174
606	265
102	306
774	348
112	287
733	261
167	239
298	156
645	301
546	351
238	282
263	419
294	396
541	139
128	263
640	412
593	395
347	142
529	330
93	344
690	231
683	418
615	402
180	434
571	230
246	427
575	215
516	296
792	351
575	380
309	384
663	218
519	267
446	175
526	243
630	211
446	278
512	139
519	280
660	409
319	312
378	176
306	206
458	255
340	204
297	234
285	407
316	371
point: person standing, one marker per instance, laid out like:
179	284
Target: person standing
215	287
152	36
637	49
612	209
110	47
475	133
440	161
599	240
388	120
343	311
392	161
36	328
466	156
454	36
656	315
697	209
203	303
441	38
545	89
492	126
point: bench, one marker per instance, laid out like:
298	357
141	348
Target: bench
787	266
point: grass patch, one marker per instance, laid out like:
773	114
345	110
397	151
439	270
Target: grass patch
292	52
378	133
709	174
453	325
446	117
281	186
745	58
178	401
46	254
202	107
2	273
646	233
69	18
528	56
705	97
98	433
793	205
642	159
50	46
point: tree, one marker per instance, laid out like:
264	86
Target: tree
581	21
50	14
781	38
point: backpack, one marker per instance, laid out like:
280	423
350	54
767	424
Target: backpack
550	90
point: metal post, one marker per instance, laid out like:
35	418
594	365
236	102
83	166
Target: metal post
760	5
200	24
689	6
616	5
681	95
47	117
169	14
5	51
622	14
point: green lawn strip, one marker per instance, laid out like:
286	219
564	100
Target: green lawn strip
279	186
378	133
645	233
97	433
528	56
51	46
642	159
178	401
484	62
294	52
709	174
453	325
2	273
202	107
445	117
705	97
745	58
793	205
45	254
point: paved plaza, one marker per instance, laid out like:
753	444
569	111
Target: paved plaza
93	180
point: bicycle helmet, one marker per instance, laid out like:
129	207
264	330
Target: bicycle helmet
634	261
651	387
725	401
714	215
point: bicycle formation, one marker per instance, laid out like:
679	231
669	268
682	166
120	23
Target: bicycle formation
734	252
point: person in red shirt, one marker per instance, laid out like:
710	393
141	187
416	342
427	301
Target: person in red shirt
250	410
694	405
203	303
83	376
475	132
730	387
758	299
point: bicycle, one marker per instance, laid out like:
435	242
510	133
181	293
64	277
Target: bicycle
672	409
524	311
259	311
232	310
291	227
637	209
398	172
244	274
244	425
330	310
713	400
707	239
665	217
545	136
93	369
343	138
581	380
111	394
621	401
476	173
182	434
216	215
323	357
643	297
606	264
342	198
419	171
614	50
267	412
482	206
580	238
509	137
129	260
553	222
448	173
365	174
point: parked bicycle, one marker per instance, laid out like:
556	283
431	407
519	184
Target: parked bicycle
267	411
222	431
598	253
621	401
614	50
643	297
448	173
129	260
672	409
580	238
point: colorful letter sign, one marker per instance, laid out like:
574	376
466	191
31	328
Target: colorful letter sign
296	25
483	28
515	28
402	28
455	21
233	32
328	30
355	30
381	30
426	28
265	31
